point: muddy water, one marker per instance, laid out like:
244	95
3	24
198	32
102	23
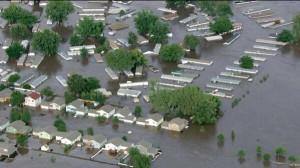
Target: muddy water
268	116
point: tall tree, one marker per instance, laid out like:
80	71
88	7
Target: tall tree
159	32
13	78
16	99
132	39
246	62
88	27
26	116
171	53
19	32
76	40
14	115
92	83
15	51
60	125
47	91
76	84
22	140
90	131
16	14
119	59
143	21
285	36
191	41
296	26
46	41
58	11
138	57
221	25
223	9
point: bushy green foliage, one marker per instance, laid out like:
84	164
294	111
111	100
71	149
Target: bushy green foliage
171	53
221	25
191	41
19	32
144	20
285	36
58	11
88	27
76	40
15	51
158	32
60	125
132	39
16	99
46	42
246	62
22	140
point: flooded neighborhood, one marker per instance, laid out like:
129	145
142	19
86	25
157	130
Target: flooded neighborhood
105	99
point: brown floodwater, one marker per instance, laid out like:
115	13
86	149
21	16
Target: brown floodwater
267	116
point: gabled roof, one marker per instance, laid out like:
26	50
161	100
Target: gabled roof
107	108
49	129
17	124
156	117
144	144
178	121
5	93
116	141
59	101
73	135
6	148
34	95
124	111
98	138
76	103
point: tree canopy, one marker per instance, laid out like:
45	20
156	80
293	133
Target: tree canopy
15	51
58	11
221	25
76	40
14	115
122	59
191	41
16	99
296	27
189	100
26	116
60	125
158	32
179	3
22	140
78	84
139	160
285	36
47	91
216	8
246	62
13	78
88	27
19	32
132	39
46	42
143	21
16	14
171	53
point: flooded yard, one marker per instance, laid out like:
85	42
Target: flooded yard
267	116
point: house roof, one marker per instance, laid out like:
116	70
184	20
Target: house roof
144	143
17	124
178	121
124	111
116	141
156	117
45	103
107	108
3	121
76	103
6	148
131	118
141	119
59	101
61	134
5	93
152	150
98	138
165	124
73	135
81	109
49	129
34	95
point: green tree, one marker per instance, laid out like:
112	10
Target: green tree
241	154
53	159
26	116
69	97
119	59
232	134
15	51
76	84
90	131
19	32
216	8
142	161
280	151
47	91
26	86
93	96
76	40
115	121
223	9
124	138
92	83
101	119
258	149
2	87
144	20
134	151
132	39
221	25
122	12
14	115
16	99
138	57
221	138
81	131
137	111
16	14
67	148
296	27
191	41
285	36
84	52
13	78
22	140
171	53
159	31
179	3
58	11
46	42
267	156
246	62
88	27
60	125
2	140
293	158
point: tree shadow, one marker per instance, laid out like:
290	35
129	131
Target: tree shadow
241	160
